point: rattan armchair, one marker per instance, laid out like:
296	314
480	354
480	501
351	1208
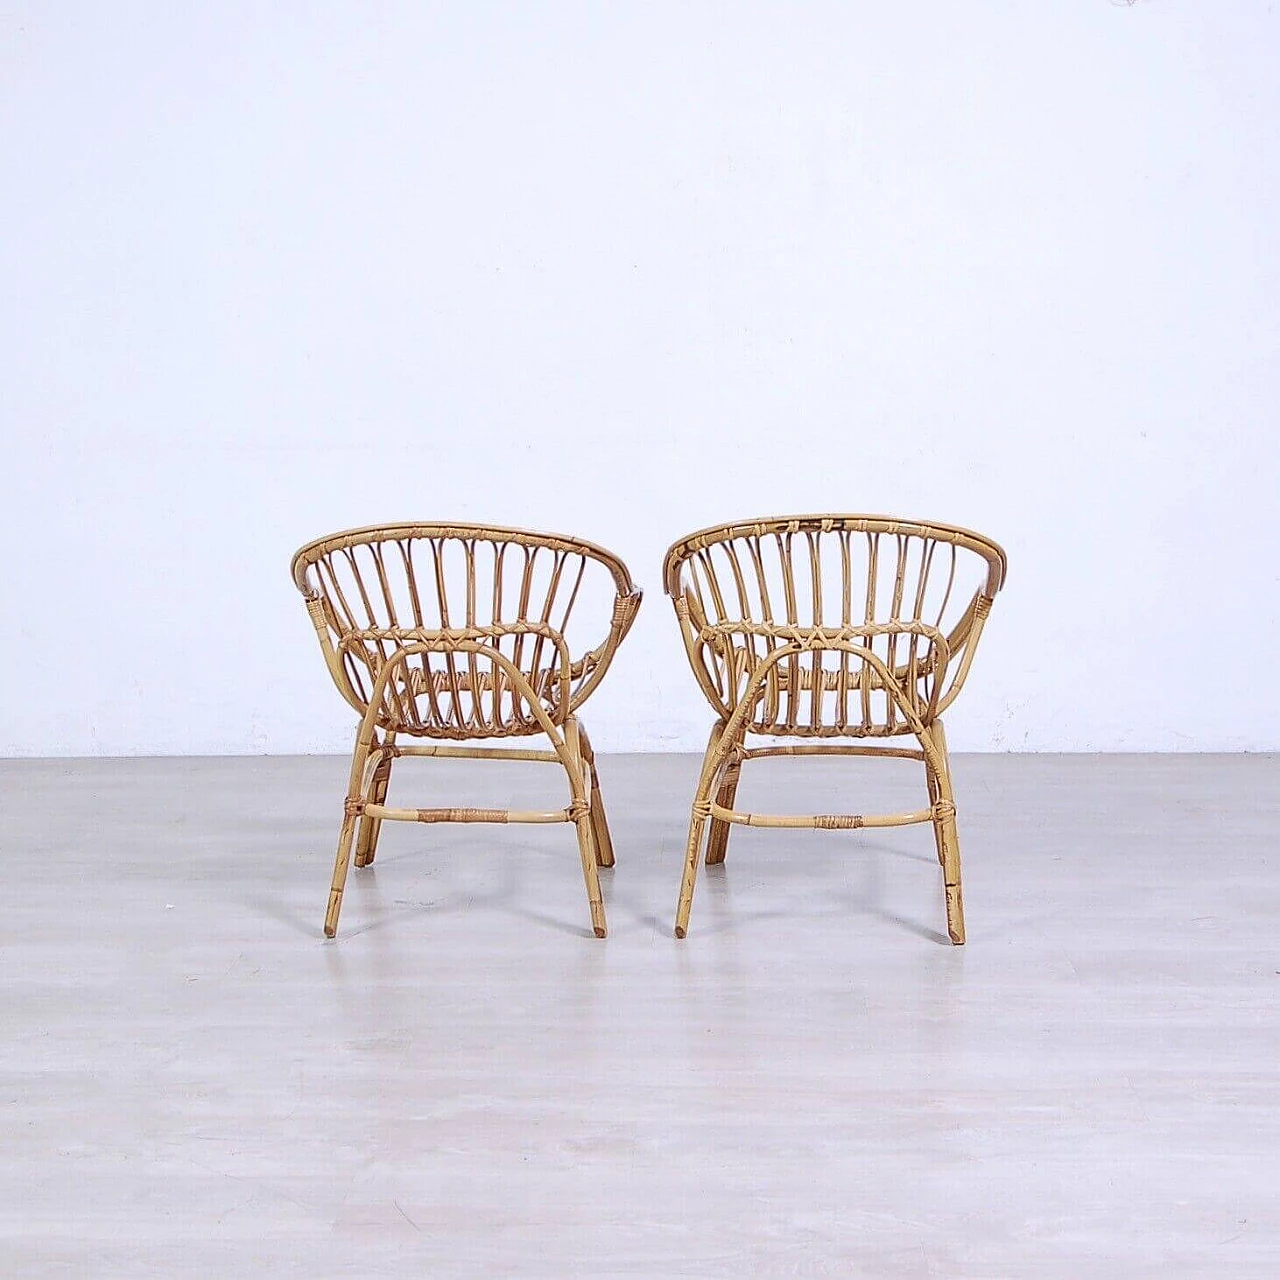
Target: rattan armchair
459	633
826	627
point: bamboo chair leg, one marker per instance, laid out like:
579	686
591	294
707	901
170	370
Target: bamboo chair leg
587	849
718	836
370	828
948	838
934	793
355	792
586	838
599	820
697	823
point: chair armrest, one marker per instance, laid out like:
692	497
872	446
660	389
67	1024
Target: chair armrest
590	669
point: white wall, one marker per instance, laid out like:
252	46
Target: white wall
625	270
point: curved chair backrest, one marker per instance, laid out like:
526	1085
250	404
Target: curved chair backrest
477	605
830	589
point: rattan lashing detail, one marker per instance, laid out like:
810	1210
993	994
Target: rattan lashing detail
457	632
838	821
825	627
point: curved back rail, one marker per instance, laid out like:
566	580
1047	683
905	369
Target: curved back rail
913	595
450	592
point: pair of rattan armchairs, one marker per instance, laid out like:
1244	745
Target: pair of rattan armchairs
812	627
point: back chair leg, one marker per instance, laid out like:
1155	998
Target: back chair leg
599	822
582	821
948	839
370	828
356	789
718	836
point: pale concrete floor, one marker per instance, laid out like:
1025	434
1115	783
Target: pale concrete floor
466	1084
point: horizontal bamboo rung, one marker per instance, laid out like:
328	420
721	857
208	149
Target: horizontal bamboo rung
821	821
477	753
464	815
820	749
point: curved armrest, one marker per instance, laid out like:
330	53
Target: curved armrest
962	644
590	669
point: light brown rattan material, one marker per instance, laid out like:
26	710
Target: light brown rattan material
825	627
460	632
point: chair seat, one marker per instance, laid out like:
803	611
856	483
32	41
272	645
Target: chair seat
444	683
793	679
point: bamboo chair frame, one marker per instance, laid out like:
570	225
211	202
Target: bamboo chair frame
424	643
879	669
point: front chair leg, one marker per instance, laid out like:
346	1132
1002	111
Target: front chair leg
934	793
581	810
599	822
697	822
357	789
948	839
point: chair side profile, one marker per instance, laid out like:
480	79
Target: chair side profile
461	633
824	627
